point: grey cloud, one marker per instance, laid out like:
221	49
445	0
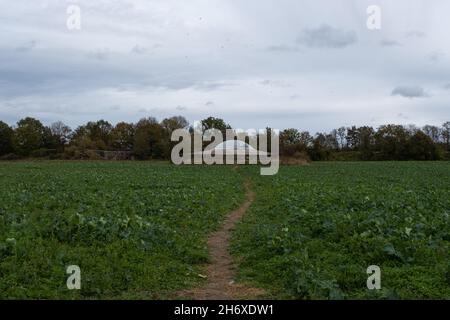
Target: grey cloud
137	49
409	92
210	86
261	48
326	36
275	83
447	86
390	43
402	116
415	34
68	71
181	108
282	48
209	104
26	46
99	54
436	56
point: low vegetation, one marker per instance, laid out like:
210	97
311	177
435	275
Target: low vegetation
136	230
139	229
314	230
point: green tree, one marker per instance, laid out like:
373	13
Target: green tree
331	141
93	135
422	147
99	130
6	139
174	123
30	135
149	139
353	138
122	136
215	123
290	137
169	125
49	140
366	142
391	142
319	151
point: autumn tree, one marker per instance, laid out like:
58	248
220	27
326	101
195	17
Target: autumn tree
319	151
366	142
169	125
122	136
391	142
148	139
93	135
174	123
422	147
290	137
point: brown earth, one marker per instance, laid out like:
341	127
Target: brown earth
220	272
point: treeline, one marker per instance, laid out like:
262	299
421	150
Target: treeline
387	142
146	139
150	139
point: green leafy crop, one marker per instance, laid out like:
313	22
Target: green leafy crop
136	230
313	231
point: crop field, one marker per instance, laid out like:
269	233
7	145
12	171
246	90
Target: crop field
139	230
136	230
314	230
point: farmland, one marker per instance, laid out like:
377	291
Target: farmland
138	230
314	230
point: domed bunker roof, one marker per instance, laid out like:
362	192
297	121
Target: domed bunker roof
234	145
237	147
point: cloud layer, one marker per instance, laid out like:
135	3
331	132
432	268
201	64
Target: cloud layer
326	36
409	92
307	64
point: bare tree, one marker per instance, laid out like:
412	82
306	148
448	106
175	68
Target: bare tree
445	132
61	132
433	132
340	134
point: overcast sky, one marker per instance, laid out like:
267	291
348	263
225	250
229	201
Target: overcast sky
312	65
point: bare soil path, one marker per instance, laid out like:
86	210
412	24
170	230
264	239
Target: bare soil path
220	272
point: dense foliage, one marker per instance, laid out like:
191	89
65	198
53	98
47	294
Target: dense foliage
314	230
136	230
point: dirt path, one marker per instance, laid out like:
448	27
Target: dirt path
221	271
